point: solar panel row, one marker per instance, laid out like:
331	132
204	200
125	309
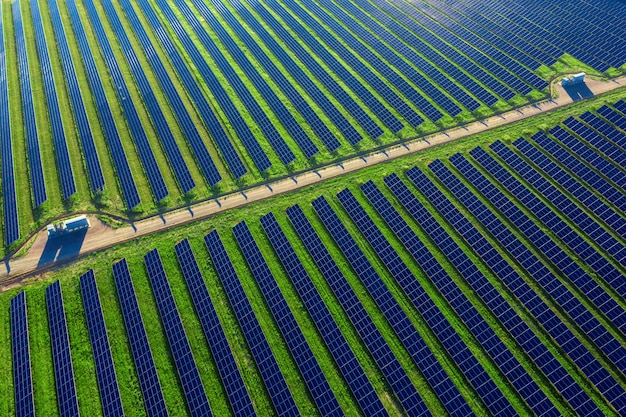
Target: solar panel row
520	330
61	354
502	356
9	195
224	64
263	356
20	351
582	171
129	189
155	179
164	133
364	324
598	261
138	340
211	121
197	403
219	93
610	132
616	118
213	332
602	145
541	311
443	386
476	374
94	169
307	364
565	233
105	370
38	183
188	127
604	340
339	95
64	166
269	66
342	353
585	197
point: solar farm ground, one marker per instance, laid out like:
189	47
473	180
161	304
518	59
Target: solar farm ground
152	105
490	268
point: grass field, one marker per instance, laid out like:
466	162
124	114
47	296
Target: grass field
111	201
101	262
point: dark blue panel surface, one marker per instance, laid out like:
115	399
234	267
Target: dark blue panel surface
20	350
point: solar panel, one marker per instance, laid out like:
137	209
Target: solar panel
38	183
563	231
216	338
138	340
485	387
61	355
164	133
344	357
373	339
210	119
157	184
578	217
602	145
531	344
219	93
197	403
314	378
260	348
585	197
610	132
581	315
20	350
107	123
9	196
105	370
501	355
83	126
580	170
64	166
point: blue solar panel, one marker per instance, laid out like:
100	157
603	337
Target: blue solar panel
542	312
591	157
484	385
309	368
213	331
431	313
164	133
197	403
616	119
509	365
146	155
578	217
129	189
563	231
185	121
610	132
263	356
585	197
9	196
38	183
224	64
64	166
78	104
344	357
581	171
219	93
376	344
602	145
61	355
583	317
105	371
20	350
518	328
210	119
139	345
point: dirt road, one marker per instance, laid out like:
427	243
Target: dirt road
101	236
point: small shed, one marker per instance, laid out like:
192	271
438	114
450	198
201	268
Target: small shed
68	226
573	79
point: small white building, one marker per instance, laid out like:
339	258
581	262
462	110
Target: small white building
68	226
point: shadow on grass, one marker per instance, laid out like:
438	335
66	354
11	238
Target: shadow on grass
62	248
